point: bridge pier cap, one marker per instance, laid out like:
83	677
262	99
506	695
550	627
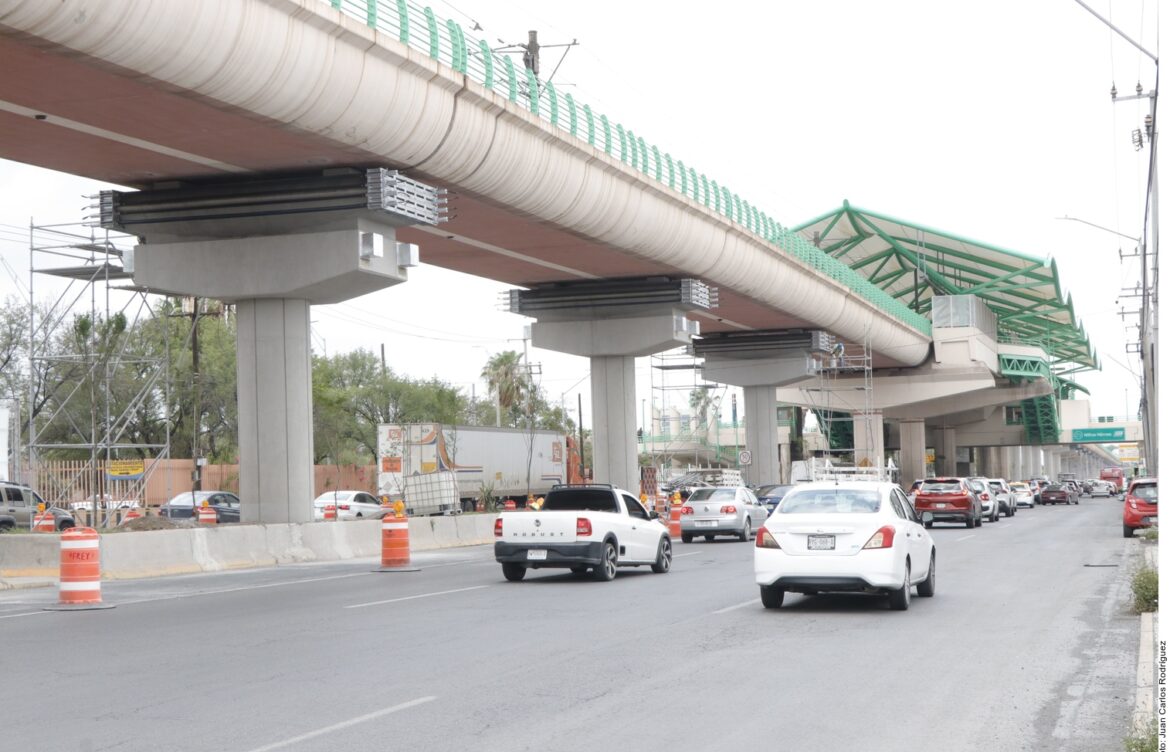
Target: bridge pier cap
612	321
322	237
613	317
274	245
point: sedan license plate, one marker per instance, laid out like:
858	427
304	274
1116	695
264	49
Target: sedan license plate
822	542
537	554
939	504
705	523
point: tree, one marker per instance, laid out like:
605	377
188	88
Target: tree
508	379
701	401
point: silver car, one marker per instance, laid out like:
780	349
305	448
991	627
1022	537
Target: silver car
1003	492
987	498
722	510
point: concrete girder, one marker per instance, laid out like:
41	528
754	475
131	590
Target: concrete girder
981	399
365	93
922	384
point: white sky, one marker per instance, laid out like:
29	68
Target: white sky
984	119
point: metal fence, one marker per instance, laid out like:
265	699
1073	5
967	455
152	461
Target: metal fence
76	485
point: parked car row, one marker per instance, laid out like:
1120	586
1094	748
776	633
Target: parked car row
18	505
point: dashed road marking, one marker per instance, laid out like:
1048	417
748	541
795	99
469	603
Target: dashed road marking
346	724
745	604
416	597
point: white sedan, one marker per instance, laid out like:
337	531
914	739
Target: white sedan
831	536
350	505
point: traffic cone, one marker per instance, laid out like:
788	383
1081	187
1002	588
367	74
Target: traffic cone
676	516
80	585
396	544
206	515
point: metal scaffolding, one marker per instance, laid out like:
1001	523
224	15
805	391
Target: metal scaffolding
844	380
99	290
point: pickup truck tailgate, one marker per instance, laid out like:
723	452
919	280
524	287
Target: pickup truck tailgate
537	527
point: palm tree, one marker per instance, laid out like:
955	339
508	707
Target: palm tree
701	402
507	378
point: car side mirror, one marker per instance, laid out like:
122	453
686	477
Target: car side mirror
654	515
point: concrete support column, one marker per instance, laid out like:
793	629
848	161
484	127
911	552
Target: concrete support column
615	429
1052	462
912	440
275	386
1015	468
759	405
981	461
992	469
869	449
1035	461
1006	459
949	451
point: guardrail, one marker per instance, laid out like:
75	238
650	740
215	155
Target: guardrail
445	41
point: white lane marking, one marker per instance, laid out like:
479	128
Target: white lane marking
17	616
965	537
745	604
346	724
692	553
416	597
243	588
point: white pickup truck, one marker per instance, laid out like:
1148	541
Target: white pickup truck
582	527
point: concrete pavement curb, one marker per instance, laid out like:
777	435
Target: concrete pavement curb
28	584
1146	681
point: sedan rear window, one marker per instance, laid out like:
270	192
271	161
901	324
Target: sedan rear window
712	494
830	501
942	487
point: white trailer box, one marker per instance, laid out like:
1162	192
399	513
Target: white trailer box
432	466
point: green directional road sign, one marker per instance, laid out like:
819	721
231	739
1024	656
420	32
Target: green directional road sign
1097	435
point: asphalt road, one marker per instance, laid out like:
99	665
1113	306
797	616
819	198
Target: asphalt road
1029	645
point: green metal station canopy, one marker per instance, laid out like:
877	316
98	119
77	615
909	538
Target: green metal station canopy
913	263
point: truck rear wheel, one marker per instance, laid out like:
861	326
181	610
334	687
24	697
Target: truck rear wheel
606	569
514	572
661	565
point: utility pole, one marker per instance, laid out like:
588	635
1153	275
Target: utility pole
1149	254
197	418
530	53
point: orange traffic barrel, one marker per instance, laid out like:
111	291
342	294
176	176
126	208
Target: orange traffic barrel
509	506
206	515
80	586
676	519
131	514
330	512
44	522
396	544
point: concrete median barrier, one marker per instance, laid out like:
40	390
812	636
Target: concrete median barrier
156	553
28	555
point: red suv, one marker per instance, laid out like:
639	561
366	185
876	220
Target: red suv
949	499
1141	505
